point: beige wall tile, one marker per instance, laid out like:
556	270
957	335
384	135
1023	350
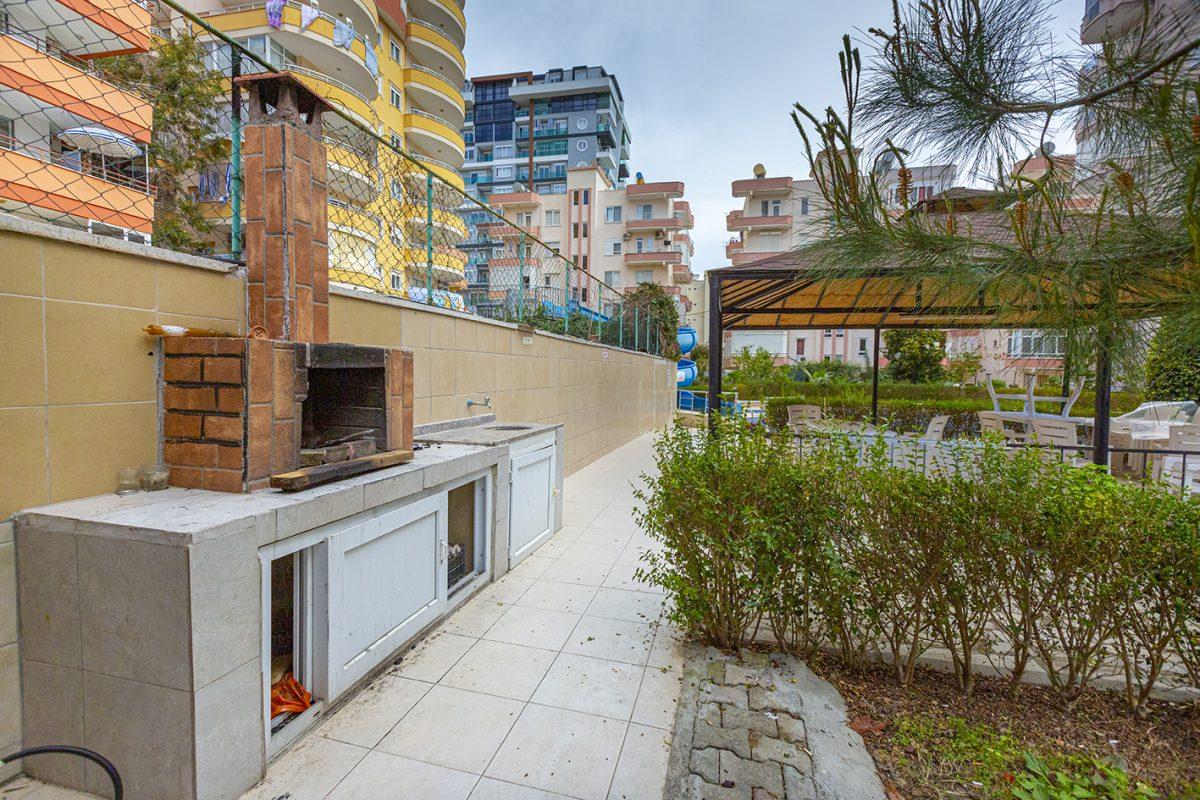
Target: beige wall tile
98	276
23	480
22	355
98	354
199	292
21	266
10	693
8	596
230	325
90	444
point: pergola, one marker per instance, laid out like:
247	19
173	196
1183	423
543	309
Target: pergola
788	292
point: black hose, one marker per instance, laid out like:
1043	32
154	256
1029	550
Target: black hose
105	764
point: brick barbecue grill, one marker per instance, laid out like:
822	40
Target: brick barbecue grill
237	411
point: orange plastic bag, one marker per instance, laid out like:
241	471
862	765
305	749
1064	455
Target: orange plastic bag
287	695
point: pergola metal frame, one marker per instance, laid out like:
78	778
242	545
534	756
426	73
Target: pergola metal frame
732	308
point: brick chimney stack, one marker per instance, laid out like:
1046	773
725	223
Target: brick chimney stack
284	172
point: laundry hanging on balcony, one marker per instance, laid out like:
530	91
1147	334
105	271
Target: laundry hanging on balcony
275	13
308	15
343	34
372	62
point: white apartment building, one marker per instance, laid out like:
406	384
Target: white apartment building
623	235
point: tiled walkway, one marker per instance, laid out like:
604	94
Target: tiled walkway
556	681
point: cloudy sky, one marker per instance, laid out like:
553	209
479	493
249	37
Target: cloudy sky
708	84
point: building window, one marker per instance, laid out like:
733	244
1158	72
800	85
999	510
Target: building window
396	142
1034	344
800	348
646	212
587	196
574	230
612	247
502	173
398	280
395	53
612	214
525	219
397	102
640	244
804	206
862	345
553	217
397	236
613	278
841	334
504	151
644	276
771	208
583	262
397	190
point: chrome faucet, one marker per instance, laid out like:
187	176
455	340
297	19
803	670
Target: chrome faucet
486	402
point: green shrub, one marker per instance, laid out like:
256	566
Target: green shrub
1102	779
831	546
1173	364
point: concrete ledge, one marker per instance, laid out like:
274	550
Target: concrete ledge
46	230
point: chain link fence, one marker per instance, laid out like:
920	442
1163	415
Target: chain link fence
143	145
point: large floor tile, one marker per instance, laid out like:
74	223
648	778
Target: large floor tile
453	728
533	627
624	604
24	788
381	775
624	576
667	650
560	751
506	590
579	513
568	533
613	639
374	711
499	668
642	768
431	658
585	572
531	566
605	536
309	771
590	685
474	617
600	553
658	698
572	598
492	789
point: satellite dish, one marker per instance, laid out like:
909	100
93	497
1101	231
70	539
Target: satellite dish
760	171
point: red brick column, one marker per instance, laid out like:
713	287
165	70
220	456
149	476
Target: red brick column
284	179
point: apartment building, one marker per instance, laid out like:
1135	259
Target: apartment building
72	143
531	128
394	67
623	235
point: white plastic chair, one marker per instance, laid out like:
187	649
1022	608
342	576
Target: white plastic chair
1180	471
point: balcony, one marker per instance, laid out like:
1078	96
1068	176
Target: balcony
763	187
342	95
1104	19
40	181
661	257
445	15
351	173
750	257
733	247
434	93
430	46
89	28
738	221
516	200
500	230
659	224
662	189
313	44
435	136
681	273
40	71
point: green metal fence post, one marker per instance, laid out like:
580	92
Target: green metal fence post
429	238
635	327
647	331
521	278
235	155
621	328
566	303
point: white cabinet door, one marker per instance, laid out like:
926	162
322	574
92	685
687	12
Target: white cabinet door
531	506
387	581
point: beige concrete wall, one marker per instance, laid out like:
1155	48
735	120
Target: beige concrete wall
78	377
605	397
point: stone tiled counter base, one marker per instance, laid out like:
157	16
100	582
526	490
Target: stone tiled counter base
754	726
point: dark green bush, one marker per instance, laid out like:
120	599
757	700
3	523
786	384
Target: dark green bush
830	547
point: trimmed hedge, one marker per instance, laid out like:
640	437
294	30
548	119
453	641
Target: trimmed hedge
907	408
1003	552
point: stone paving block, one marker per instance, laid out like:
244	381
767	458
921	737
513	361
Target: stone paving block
753	658
737	741
791	729
729	695
706	764
710	713
766	748
732	717
772	696
746	676
762	794
698	789
798	786
716	671
751	774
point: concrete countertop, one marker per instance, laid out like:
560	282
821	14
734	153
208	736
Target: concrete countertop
492	434
183	517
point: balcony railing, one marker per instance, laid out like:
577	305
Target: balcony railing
216	12
77	161
52	49
434	117
289	66
1091	10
